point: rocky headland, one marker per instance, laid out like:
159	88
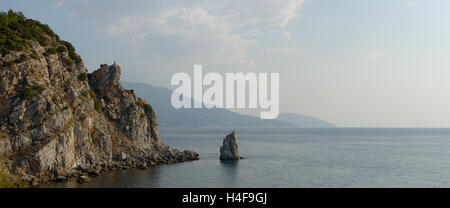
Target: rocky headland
57	121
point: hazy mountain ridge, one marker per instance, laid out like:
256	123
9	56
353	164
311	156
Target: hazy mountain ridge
304	121
171	117
159	97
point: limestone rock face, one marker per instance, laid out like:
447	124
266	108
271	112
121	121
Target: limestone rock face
229	149
57	121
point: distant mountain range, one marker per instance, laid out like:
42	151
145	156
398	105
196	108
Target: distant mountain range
304	121
159	98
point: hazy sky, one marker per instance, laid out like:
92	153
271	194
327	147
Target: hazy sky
365	63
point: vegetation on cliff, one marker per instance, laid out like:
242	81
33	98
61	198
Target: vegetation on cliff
16	32
8	181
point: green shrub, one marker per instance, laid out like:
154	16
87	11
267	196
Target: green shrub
68	46
92	94
84	94
50	51
97	102
34	55
65	107
17	32
61	49
98	105
39	88
31	91
148	108
73	55
83	76
27	92
68	61
8	181
43	41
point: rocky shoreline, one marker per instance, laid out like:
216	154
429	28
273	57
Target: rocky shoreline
83	173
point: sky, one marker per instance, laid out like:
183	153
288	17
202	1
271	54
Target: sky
355	63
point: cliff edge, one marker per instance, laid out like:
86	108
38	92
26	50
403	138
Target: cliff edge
58	121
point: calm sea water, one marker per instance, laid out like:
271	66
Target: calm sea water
339	157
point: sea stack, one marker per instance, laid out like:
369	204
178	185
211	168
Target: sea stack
229	149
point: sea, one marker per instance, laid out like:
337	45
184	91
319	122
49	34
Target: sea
296	158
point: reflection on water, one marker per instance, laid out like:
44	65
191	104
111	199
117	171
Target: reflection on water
229	172
122	178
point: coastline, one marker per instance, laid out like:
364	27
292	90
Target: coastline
139	161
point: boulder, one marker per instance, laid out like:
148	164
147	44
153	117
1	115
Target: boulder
123	156
142	166
83	179
229	149
61	178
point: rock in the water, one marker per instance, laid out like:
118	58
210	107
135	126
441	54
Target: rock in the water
142	166
229	149
84	179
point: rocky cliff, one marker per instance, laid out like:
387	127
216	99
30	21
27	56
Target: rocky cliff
229	149
57	121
